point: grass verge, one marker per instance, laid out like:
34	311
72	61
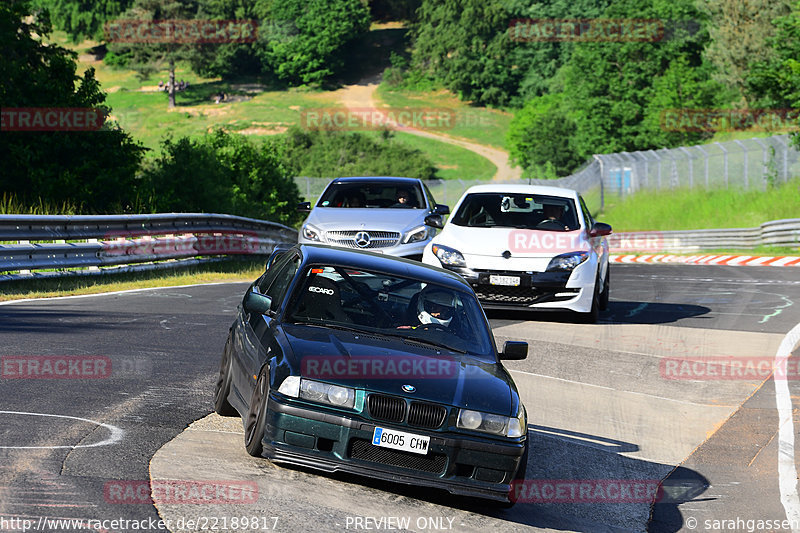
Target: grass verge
690	209
478	124
229	270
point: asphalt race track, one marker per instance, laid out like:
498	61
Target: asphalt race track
96	394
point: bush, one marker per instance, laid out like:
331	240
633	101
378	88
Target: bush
222	173
334	154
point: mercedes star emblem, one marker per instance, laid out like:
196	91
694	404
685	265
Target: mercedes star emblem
362	239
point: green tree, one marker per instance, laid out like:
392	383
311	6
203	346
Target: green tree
608	86
223	173
775	82
540	137
82	19
304	42
333	154
149	57
740	33
466	46
93	168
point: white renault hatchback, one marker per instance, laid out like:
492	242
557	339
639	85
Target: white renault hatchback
526	247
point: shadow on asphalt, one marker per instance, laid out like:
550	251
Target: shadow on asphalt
618	312
570	459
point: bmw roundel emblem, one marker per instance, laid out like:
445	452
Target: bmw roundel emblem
409	388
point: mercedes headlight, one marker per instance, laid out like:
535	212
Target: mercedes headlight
311	233
448	256
416	235
567	261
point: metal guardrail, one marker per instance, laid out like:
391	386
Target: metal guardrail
780	233
113	240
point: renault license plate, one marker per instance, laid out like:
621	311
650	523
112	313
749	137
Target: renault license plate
508	281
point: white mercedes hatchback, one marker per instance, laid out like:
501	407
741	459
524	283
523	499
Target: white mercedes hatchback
526	247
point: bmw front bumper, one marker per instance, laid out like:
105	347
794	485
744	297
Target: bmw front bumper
333	443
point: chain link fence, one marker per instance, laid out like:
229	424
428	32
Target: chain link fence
586	181
747	164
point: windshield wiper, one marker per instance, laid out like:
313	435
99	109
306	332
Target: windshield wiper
413	339
334	326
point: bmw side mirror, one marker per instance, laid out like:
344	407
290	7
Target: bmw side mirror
441	209
600	229
255	302
514	350
434	221
304	207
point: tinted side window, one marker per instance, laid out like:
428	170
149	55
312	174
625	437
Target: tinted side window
268	277
283	277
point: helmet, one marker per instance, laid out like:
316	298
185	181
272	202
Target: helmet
436	306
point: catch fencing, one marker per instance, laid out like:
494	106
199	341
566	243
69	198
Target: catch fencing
756	163
92	243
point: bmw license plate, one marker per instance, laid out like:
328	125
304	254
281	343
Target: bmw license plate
400	440
509	281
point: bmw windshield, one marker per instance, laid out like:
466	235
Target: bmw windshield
371	302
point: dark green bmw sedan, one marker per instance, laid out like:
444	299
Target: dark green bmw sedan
350	361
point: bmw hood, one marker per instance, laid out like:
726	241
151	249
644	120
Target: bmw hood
400	368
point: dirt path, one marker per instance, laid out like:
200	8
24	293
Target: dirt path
362	95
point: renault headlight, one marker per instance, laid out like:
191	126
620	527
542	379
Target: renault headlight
567	262
448	256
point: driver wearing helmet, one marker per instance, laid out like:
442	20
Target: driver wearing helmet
435	306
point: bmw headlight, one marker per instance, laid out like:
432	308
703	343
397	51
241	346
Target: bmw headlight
567	261
311	233
491	423
448	256
316	391
416	235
